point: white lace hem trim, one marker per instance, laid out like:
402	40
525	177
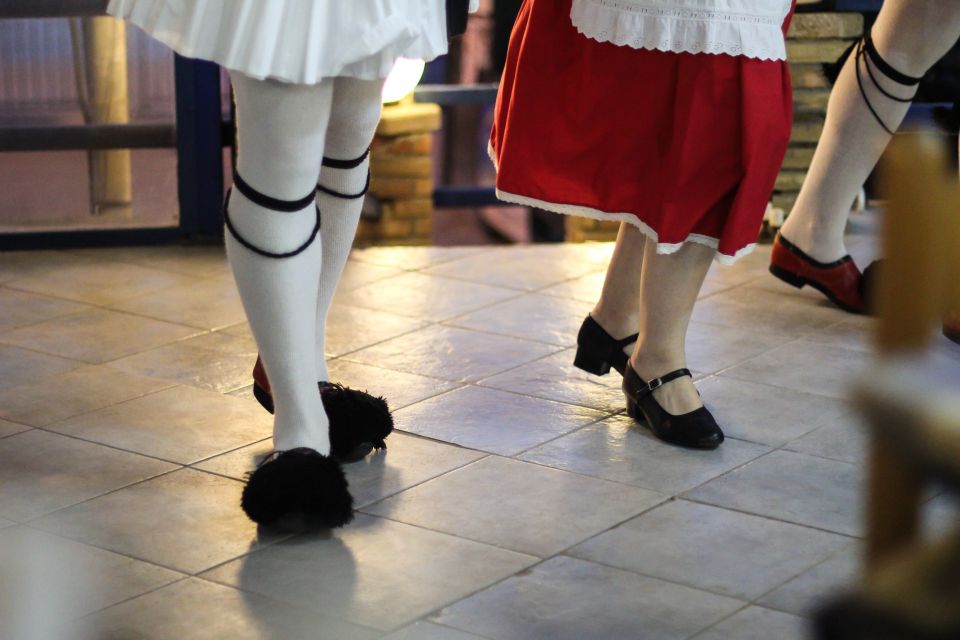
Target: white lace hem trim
749	28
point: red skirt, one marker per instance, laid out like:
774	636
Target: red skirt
686	147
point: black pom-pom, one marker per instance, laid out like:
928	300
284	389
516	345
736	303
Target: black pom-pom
299	483
868	281
359	421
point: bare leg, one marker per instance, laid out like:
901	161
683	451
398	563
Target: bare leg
909	34
618	310
668	290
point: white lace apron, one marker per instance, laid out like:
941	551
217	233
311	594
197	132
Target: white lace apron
751	28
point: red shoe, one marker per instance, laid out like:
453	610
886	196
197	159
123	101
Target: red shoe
840	281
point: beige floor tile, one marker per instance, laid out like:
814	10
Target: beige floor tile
517	505
733	554
794	487
215	361
100	282
75	392
805	366
757	623
41	472
21	366
199	261
15	265
453	354
569	599
18	308
491	420
765	414
804	593
188	521
353	328
429	631
181	424
97	336
412	258
420	296
201	610
208	304
8	428
407	461
73	579
711	348
555	378
852	332
618	449
585	288
520	268
752	309
398	388
356	274
374	572
843	438
531	317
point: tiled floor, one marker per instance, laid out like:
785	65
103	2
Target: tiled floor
516	502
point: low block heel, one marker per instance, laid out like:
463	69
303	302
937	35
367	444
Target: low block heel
790	278
633	410
590	363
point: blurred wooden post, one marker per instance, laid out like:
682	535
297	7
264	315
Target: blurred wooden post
100	49
911	296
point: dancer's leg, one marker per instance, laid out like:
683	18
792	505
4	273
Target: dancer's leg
911	35
281	131
618	310
343	179
668	290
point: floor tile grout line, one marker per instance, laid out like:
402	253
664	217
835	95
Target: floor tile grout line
844	549
769	517
723	619
111	405
101	610
58	510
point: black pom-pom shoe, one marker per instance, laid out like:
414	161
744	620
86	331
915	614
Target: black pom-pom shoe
359	422
697	429
597	350
299	484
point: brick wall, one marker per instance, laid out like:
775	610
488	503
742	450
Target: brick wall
401	183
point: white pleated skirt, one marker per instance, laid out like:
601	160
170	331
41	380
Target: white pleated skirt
297	41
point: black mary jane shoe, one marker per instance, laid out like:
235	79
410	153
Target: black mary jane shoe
359	422
697	429
299	484
597	350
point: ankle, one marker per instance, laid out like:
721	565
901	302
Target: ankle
654	364
820	241
618	324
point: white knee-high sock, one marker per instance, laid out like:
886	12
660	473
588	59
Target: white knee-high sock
281	131
353	121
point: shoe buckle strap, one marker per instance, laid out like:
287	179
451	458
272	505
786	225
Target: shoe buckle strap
656	383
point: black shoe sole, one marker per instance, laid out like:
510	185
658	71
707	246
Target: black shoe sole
796	281
637	414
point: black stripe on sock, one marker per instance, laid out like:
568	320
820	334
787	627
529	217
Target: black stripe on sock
269	254
268	202
345	196
333	163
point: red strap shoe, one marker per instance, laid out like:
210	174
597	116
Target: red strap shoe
840	281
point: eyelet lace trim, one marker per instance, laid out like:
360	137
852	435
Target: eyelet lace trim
753	29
